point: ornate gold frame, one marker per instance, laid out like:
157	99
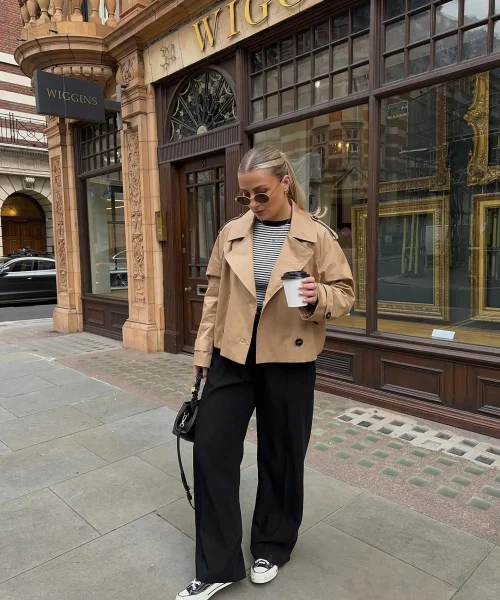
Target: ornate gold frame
479	172
439	310
480	205
441	180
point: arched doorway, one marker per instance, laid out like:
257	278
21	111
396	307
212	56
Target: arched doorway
23	224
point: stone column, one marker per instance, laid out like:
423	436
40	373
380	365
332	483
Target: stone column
68	312
145	326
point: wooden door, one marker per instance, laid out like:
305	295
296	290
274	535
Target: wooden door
202	189
17	233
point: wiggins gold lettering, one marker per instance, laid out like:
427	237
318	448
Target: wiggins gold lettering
287	4
76	98
232	19
209	35
248	12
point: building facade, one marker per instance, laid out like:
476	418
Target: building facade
25	199
388	111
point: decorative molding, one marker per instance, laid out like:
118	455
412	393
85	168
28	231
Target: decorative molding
479	172
62	269
131	68
134	194
169	57
97	73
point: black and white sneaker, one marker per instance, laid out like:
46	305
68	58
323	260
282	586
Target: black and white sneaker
201	591
263	571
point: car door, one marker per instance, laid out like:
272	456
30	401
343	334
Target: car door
17	281
45	276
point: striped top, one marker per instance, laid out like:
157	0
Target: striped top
268	240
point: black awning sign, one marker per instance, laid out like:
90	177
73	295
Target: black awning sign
68	97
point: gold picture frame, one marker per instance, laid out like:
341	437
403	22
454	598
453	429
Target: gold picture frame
438	207
481	203
479	172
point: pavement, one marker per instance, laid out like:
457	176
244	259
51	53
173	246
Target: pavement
91	504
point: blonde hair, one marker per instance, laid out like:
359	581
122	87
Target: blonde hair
267	157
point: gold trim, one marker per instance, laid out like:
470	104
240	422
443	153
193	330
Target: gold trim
480	205
439	310
479	172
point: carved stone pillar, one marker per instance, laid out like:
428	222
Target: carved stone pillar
145	325
68	312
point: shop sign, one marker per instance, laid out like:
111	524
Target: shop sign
398	110
227	23
68	97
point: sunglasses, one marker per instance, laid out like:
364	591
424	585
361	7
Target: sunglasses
260	198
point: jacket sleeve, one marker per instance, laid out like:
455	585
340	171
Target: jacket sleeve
335	285
204	344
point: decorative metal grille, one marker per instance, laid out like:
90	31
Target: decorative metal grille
206	102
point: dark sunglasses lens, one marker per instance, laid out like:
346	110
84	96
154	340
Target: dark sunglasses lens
243	200
261	198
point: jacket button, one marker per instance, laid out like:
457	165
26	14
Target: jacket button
328	315
299	342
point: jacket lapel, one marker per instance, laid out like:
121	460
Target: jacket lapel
240	257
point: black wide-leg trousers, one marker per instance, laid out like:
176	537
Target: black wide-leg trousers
283	396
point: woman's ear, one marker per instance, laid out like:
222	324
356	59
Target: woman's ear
286	181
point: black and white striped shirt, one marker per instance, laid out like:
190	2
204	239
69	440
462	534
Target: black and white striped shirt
268	240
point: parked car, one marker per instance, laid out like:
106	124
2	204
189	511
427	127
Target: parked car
26	279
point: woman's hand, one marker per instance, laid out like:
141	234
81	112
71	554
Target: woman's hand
196	370
309	290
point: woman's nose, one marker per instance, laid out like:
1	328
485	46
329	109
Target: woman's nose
253	204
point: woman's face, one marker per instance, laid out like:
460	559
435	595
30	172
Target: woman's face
263	181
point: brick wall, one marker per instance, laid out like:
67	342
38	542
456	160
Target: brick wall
10	26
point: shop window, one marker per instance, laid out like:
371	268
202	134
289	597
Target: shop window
439	214
322	63
100	146
207	102
423	35
333	177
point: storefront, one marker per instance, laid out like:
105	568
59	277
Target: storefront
389	112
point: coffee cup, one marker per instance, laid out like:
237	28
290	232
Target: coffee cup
292	282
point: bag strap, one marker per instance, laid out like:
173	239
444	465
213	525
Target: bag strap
195	390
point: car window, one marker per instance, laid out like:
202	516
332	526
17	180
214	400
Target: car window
22	265
46	265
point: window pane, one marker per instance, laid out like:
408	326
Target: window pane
361	17
257	110
475	10
304	42
331	147
395	36
446	51
257	61
420	27
287	49
475	41
304	69
257	87
322	63
341	26
272	106
447	16
360	81
360	48
271	56
497	7
272	80
394	67
304	96
287	76
287	101
394	8
340	85
419	59
321	90
413	4
322	35
496	37
340	56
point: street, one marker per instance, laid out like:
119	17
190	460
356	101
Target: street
21	312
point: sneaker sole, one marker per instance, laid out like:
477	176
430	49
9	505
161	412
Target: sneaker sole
263	577
206	595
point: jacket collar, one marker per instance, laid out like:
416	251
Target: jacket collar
301	227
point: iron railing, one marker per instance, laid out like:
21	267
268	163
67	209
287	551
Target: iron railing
22	131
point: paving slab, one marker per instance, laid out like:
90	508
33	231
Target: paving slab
42	427
434	547
119	493
37	366
22	385
6	415
4	449
115	406
64	376
328	563
485	582
148	559
131	435
18	358
37	467
164	457
8	349
35	402
36	529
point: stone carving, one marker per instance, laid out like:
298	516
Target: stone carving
134	193
97	73
168	53
127	69
62	269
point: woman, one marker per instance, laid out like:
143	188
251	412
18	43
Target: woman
257	353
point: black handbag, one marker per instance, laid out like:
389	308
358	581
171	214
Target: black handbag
185	426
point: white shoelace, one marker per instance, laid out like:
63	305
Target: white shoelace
194	585
262	562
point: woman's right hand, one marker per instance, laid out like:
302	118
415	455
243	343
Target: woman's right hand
196	371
